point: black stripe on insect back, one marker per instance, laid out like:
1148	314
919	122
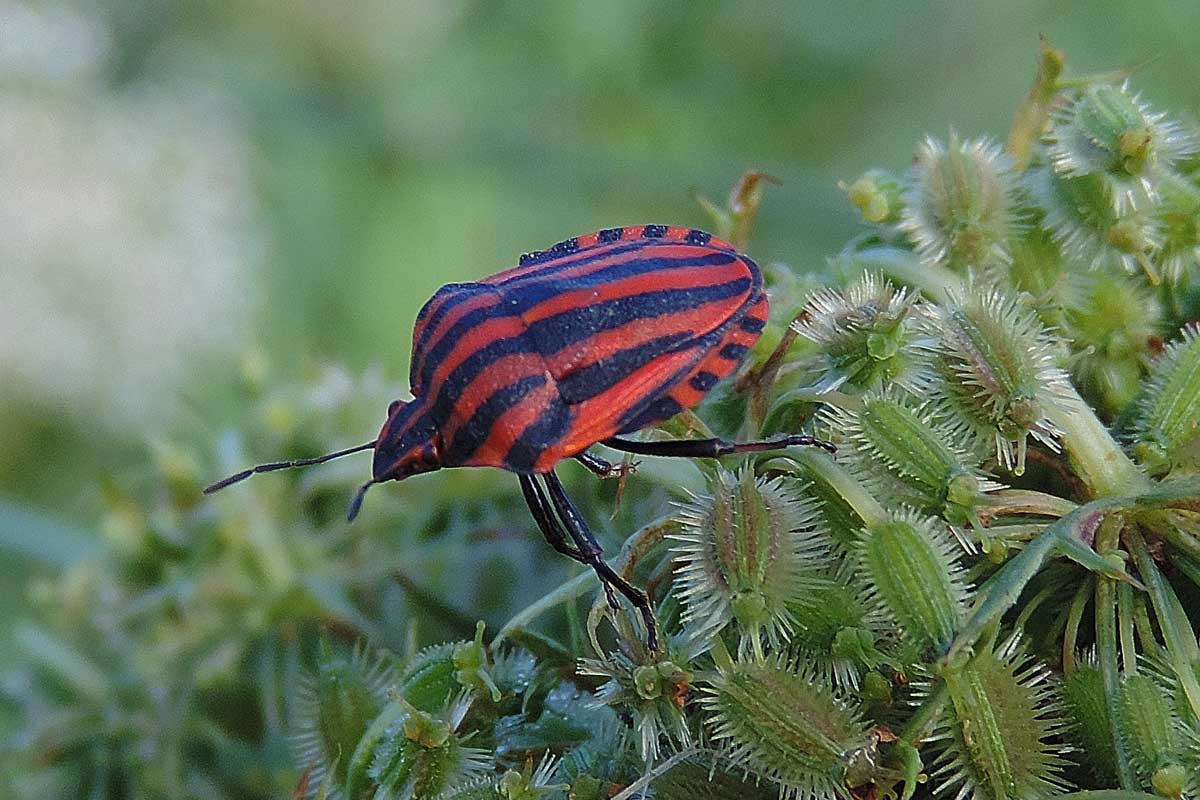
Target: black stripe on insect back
598	377
703	381
475	432
527	297
552	334
565	247
734	352
462	293
752	324
659	409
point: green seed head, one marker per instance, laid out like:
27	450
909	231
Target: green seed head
710	777
906	455
998	374
1111	320
333	709
868	336
1082	219
777	719
959	203
909	568
1110	133
744	553
1178	216
1086	710
1001	730
1153	732
839	629
1167	424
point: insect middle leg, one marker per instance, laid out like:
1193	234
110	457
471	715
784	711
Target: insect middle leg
714	448
605	469
592	554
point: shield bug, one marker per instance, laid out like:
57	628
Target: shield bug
594	338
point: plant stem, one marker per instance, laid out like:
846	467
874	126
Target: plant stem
1106	656
1096	457
1177	633
854	493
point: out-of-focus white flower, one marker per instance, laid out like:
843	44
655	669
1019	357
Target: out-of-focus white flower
126	225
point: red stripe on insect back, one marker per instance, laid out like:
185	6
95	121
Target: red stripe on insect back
475	339
673	278
508	429
502	372
596	419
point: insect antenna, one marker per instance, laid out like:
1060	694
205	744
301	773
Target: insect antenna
356	503
276	465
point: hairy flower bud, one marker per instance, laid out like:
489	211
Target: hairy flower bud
998	376
421	755
1110	133
909	566
334	708
1000	730
901	450
745	553
1080	216
1111	320
1167	423
959	204
776	718
868	335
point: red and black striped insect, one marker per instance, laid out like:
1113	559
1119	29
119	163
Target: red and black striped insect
597	337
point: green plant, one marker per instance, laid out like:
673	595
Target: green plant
989	592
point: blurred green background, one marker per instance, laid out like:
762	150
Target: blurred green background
193	190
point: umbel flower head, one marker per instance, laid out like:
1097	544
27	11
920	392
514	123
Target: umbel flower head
1110	133
959	204
868	336
745	553
997	371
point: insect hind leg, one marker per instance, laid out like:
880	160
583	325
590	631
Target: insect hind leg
592	555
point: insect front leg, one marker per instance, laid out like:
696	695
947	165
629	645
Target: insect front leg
714	448
591	550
